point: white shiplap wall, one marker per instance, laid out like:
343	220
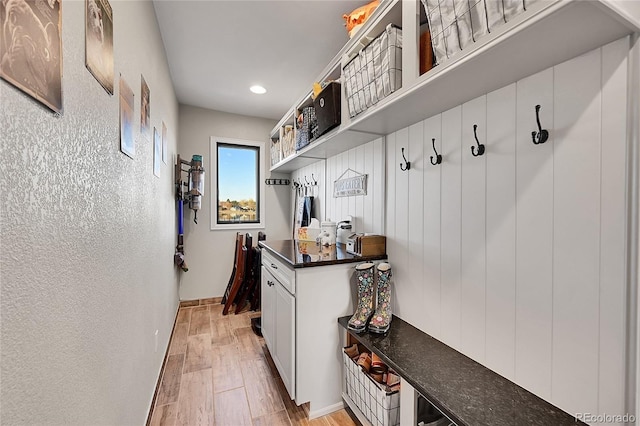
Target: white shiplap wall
367	210
516	258
306	176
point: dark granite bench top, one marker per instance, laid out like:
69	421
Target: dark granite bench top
464	390
303	254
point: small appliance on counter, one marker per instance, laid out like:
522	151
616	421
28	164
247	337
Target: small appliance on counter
344	230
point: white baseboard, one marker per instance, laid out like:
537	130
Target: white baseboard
327	410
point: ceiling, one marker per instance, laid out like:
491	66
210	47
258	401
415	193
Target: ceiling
217	49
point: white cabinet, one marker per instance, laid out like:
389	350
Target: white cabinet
285	330
299	324
268	307
278	327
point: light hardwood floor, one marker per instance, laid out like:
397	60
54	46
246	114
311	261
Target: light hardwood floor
218	372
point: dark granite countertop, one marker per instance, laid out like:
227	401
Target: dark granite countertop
466	391
302	254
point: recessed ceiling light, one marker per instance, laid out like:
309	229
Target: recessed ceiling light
258	89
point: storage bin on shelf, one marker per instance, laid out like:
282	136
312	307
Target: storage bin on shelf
276	151
327	107
375	72
380	406
306	130
456	24
288	141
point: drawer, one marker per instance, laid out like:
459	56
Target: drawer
285	274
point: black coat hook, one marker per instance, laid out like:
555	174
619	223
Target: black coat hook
407	164
480	146
438	156
541	135
305	179
315	182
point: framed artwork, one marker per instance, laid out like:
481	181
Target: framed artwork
157	152
126	119
164	143
31	48
145	109
99	42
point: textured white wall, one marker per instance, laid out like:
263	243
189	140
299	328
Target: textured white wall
209	254
88	236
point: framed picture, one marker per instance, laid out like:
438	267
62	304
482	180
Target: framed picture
99	42
126	119
164	143
145	109
157	152
31	48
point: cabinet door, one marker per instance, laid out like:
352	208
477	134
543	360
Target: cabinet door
285	329
268	309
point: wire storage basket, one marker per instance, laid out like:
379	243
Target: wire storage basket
375	72
276	151
456	24
380	406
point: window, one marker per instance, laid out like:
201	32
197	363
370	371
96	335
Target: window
236	179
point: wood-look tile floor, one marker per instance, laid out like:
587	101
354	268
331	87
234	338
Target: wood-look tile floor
218	372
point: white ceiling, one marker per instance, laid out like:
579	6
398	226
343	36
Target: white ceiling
217	49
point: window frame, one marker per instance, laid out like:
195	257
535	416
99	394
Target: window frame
260	202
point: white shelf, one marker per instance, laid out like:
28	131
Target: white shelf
332	143
548	33
532	42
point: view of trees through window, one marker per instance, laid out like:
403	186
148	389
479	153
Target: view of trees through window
237	179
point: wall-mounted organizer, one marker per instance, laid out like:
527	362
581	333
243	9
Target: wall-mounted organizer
375	72
470	57
277	181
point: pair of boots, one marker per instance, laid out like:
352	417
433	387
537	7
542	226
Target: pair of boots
381	319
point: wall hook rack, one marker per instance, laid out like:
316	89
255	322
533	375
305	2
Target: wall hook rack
480	147
277	181
541	135
407	164
438	156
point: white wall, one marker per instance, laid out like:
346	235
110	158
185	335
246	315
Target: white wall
305	176
367	210
209	254
88	237
517	258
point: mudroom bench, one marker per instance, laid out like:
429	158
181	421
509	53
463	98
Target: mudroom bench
466	392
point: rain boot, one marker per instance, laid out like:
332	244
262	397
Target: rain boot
381	320
364	309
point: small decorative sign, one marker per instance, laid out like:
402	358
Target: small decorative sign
347	187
